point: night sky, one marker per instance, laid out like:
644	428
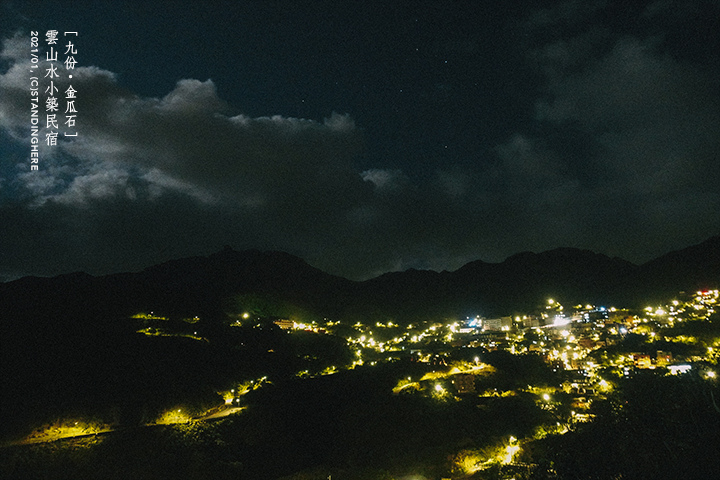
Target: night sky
364	136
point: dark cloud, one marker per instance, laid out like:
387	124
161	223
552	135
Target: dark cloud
617	153
650	120
277	179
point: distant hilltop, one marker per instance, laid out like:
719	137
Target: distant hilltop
206	286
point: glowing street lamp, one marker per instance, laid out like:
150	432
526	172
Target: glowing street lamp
510	451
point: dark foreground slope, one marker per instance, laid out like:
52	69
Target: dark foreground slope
69	342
